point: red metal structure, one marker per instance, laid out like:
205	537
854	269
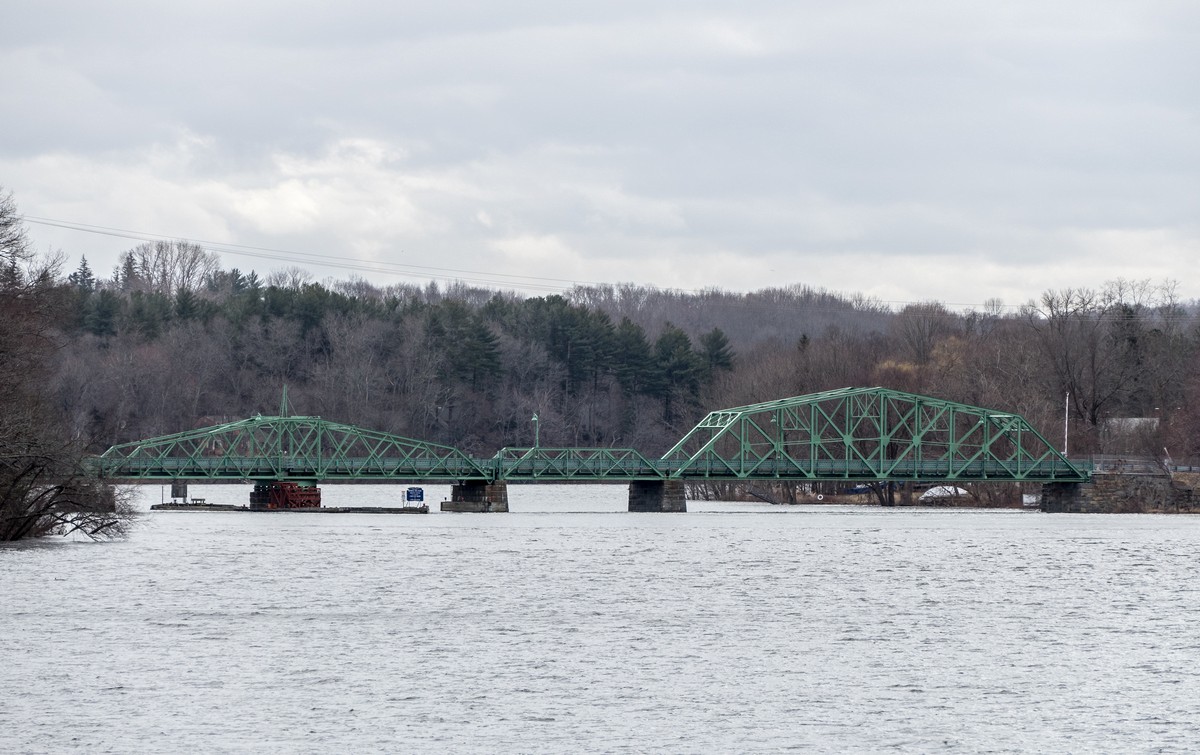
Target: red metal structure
285	495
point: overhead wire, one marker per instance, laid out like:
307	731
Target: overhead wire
326	260
495	279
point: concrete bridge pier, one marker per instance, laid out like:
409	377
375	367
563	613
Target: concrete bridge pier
477	496
657	495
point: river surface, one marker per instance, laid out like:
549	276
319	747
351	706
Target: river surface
570	625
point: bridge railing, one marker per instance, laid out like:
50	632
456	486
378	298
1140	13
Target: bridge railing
574	463
1047	469
270	467
577	464
1128	465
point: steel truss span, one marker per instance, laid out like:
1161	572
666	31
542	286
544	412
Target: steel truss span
868	434
861	434
287	448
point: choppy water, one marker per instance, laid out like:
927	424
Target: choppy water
570	625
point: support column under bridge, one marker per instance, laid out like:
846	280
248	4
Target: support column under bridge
478	496
657	495
644	495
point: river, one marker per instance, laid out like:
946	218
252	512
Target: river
570	625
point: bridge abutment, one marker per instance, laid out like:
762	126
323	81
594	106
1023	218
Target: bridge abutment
1121	494
657	495
478	496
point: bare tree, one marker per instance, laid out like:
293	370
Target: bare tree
1117	352
167	267
14	242
289	277
920	327
43	485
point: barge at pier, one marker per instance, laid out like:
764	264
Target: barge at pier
285	496
422	509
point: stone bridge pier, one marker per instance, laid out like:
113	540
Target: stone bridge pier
477	496
1116	493
657	495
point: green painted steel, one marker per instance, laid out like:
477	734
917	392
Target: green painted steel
861	434
287	448
868	434
545	463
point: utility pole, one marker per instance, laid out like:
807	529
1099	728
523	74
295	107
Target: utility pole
1066	421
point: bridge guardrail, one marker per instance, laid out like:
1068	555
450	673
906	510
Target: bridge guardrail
255	467
549	465
1048	469
1128	465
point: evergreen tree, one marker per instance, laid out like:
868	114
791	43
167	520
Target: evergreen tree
237	281
187	305
149	313
678	369
581	340
101	312
83	279
717	354
482	355
126	275
633	362
310	306
468	350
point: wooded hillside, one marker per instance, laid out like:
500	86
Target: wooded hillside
173	341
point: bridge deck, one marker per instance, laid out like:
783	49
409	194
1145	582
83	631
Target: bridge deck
535	467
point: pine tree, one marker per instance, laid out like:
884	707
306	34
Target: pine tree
101	312
678	369
717	354
187	305
633	362
83	278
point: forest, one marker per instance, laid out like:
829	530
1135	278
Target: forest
172	340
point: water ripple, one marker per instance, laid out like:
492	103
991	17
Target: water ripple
731	628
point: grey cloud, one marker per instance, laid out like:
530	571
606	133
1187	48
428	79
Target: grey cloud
871	129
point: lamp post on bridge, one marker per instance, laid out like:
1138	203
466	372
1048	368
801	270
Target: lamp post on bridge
1066	421
535	430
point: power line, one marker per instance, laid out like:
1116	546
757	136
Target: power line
349	263
487	278
335	261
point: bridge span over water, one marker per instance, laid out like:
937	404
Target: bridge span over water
850	434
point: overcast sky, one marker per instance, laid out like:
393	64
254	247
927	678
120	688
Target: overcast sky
914	150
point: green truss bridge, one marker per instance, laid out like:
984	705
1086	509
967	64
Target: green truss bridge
851	434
